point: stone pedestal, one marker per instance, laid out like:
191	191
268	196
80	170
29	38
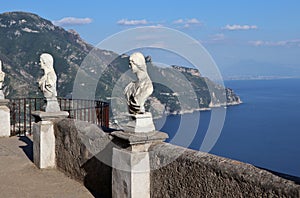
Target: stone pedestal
131	174
51	105
4	118
131	166
44	138
140	123
43	144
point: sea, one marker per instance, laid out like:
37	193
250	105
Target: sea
264	130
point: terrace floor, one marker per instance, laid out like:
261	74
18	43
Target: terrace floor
19	177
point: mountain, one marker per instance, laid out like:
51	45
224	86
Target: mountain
24	36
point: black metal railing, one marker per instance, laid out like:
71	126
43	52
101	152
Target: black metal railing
93	111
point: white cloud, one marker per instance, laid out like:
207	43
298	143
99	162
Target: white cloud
217	37
67	21
156	26
257	43
186	23
179	21
132	22
286	43
193	21
240	27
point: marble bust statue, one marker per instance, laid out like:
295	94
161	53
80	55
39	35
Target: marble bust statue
137	92
2	75
48	82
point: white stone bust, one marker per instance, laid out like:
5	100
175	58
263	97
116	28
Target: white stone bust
48	82
2	75
137	92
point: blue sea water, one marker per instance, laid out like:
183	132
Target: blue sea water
263	131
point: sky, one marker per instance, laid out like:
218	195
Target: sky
245	38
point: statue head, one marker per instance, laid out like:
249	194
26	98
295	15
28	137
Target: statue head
137	62
46	61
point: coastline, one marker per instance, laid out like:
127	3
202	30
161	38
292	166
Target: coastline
182	112
204	109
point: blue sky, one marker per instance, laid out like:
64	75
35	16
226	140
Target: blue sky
244	37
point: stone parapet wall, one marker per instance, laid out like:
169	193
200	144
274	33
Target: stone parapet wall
84	152
198	174
78	144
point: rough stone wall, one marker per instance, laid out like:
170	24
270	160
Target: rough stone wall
83	152
197	174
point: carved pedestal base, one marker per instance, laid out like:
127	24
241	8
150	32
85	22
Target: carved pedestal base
52	105
140	123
